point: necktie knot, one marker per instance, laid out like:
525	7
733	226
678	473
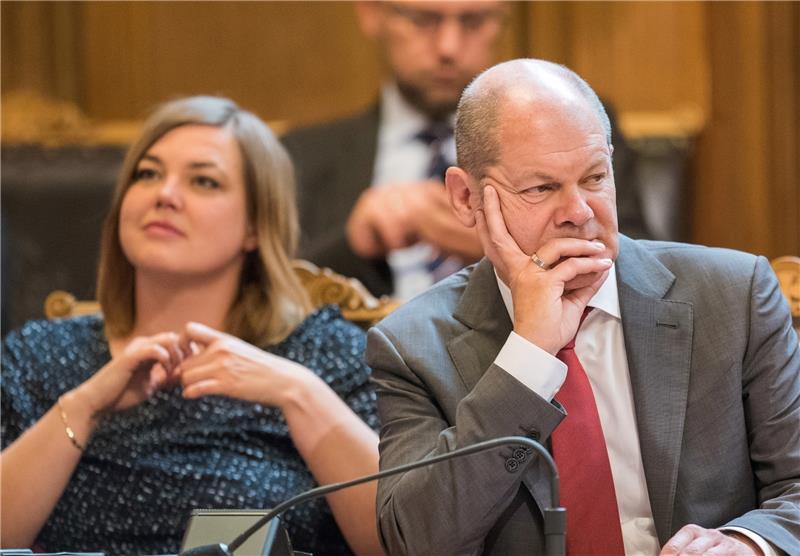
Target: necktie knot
434	137
436	132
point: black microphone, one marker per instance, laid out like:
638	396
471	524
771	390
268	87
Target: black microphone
555	517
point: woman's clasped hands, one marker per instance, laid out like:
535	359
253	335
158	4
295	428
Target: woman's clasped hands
201	359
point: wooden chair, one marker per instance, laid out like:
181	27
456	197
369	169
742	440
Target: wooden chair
788	271
324	287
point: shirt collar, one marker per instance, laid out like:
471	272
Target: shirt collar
400	121
606	299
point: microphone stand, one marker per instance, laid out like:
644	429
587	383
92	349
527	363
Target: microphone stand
555	517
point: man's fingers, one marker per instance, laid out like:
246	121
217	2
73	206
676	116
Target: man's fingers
701	544
497	239
557	249
582	296
488	246
395	235
693	539
495	224
680	540
576	266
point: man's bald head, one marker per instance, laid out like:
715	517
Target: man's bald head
529	83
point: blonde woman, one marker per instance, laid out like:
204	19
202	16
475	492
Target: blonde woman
207	382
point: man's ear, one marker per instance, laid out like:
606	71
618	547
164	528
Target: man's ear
460	187
369	18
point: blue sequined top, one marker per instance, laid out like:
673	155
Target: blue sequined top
146	468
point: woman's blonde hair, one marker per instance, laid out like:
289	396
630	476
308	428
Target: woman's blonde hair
270	301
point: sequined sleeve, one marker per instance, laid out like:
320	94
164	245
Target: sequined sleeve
40	361
16	402
334	349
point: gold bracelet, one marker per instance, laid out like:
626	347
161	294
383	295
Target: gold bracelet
67	428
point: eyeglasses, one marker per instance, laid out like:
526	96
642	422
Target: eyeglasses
429	21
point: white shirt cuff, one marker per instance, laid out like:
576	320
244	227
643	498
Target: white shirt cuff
532	366
766	548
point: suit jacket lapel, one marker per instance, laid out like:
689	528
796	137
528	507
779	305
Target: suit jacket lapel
658	341
482	311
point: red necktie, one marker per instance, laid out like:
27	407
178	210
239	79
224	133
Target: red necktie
579	448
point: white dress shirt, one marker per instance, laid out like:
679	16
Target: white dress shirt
600	346
401	157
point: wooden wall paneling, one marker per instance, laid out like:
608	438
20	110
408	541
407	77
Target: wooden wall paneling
306	61
783	36
646	56
548	31
297	61
731	173
39	48
746	179
118	67
67	29
24	54
287	60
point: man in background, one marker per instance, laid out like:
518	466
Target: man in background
400	235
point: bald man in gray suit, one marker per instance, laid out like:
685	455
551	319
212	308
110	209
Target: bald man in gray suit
693	363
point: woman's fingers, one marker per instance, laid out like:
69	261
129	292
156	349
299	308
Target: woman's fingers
158	378
200	334
168	341
203	388
149	353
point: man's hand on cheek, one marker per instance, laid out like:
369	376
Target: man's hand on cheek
545	312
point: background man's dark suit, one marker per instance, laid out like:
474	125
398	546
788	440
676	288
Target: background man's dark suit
334	163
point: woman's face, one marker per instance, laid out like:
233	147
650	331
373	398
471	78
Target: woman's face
185	213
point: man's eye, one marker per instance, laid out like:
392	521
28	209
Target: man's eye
425	20
597	178
473	21
206	182
537	193
142	174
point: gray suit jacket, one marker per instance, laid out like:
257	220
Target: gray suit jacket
334	163
715	372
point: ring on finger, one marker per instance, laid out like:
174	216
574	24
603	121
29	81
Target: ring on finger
539	262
